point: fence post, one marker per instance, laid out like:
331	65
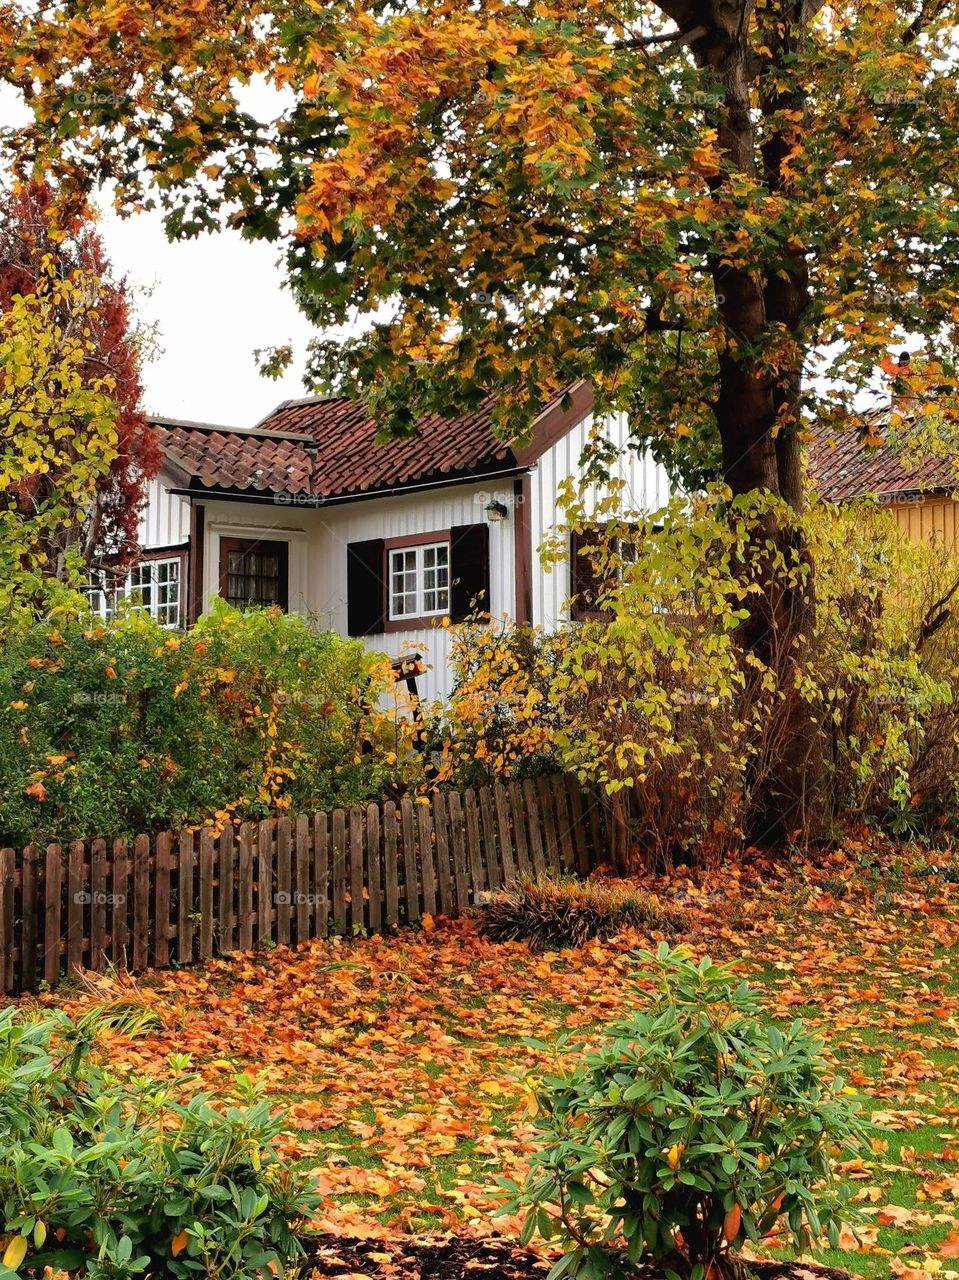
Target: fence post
120	885
245	887
441	830
7	940
52	889
501	800
518	811
427	858
494	871
458	840
557	786
321	872
339	870
184	924
141	902
373	877
29	887
226	851
264	892
98	904
410	878
357	915
161	932
284	881
471	814
207	856
305	895
391	870
579	831
75	905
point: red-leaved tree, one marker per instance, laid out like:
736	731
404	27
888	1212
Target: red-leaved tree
103	535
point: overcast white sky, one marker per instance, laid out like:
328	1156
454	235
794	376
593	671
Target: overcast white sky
214	301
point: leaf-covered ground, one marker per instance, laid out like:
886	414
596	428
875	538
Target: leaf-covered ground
403	1065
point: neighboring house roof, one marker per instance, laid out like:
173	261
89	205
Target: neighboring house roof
327	448
842	466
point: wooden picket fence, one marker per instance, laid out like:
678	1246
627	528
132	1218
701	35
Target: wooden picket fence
178	898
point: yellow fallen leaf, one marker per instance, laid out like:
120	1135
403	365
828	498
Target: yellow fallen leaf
15	1252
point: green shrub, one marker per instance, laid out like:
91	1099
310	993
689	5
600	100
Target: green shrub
111	729
695	1124
111	1181
661	710
553	913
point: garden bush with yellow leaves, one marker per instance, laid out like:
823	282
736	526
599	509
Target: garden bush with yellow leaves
696	1124
662	709
500	721
121	727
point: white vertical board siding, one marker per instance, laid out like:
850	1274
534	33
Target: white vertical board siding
422	513
647	488
165	519
319	536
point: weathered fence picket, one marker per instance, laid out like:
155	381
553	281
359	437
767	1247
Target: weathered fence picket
186	897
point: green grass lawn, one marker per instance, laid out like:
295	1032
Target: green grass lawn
402	1060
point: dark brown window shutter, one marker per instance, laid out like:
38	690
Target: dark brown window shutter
365	588
469	570
586	584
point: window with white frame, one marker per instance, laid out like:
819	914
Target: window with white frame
153	586
419	580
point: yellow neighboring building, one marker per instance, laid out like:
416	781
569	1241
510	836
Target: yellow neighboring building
921	491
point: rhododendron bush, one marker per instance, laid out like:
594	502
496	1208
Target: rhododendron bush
694	1125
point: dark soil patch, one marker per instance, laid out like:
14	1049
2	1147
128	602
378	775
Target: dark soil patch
485	1258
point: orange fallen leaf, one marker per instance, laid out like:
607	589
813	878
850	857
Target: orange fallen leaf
949	1248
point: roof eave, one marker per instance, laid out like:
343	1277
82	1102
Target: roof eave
290	498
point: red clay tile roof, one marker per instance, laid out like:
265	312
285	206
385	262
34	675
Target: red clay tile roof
842	467
347	461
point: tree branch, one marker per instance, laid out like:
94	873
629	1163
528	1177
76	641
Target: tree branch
937	615
929	10
669	37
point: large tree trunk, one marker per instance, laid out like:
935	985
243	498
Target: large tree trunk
790	797
757	413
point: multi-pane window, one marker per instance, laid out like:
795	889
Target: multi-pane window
252	578
419	580
254	573
154	586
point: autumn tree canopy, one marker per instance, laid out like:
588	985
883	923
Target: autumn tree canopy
685	202
677	201
95	332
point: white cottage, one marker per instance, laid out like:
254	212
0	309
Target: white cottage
379	541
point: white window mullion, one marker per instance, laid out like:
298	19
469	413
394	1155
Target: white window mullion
156	584
419	579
